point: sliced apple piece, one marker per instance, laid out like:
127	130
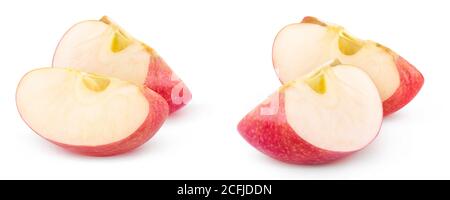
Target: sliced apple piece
302	47
89	114
102	47
324	116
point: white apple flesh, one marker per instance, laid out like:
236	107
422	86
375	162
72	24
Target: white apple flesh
303	47
102	47
89	114
322	117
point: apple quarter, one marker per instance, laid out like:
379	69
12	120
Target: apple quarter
102	47
87	113
303	47
321	117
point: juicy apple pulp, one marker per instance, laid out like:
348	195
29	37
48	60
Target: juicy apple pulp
302	47
89	114
322	117
102	47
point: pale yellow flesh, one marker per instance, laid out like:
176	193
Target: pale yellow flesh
81	109
97	47
344	115
302	48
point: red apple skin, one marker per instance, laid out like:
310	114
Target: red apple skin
158	113
163	81
411	81
273	136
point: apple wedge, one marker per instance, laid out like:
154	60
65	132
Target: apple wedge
102	47
302	47
89	114
322	117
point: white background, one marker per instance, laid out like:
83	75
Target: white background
222	50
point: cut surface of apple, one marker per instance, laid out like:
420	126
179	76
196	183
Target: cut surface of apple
87	113
319	118
102	47
303	47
